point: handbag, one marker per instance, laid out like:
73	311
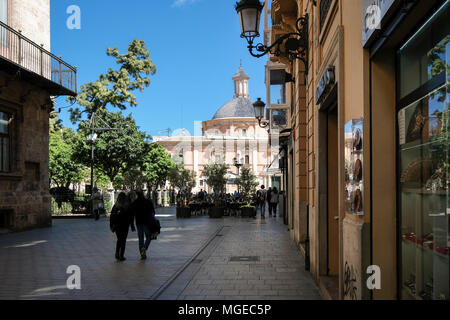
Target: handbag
155	228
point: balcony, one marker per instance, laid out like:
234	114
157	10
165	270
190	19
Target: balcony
20	55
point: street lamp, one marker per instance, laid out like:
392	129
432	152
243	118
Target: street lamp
238	165
293	45
90	140
260	108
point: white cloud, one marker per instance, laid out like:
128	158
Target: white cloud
180	3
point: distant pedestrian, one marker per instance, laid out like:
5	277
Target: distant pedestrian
269	192
201	195
274	199
120	222
262	198
143	211
97	203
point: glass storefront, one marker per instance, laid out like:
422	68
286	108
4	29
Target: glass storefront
423	124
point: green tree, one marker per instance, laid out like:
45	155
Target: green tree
247	183
116	150
116	87
157	164
64	169
216	178
182	178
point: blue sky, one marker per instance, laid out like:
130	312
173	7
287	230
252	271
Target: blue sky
195	45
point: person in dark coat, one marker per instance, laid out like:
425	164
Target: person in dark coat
120	222
143	212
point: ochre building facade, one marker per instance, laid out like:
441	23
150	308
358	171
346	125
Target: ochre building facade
367	153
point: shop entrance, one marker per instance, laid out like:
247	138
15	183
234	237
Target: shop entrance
328	189
332	191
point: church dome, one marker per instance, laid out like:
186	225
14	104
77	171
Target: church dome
240	106
237	108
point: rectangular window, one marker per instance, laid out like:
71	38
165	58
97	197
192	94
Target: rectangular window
4	19
5	144
324	8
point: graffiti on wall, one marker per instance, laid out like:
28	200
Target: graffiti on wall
350	282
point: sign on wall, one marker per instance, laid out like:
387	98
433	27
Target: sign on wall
373	14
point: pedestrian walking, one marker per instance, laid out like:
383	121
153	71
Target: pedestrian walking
269	192
274	199
97	203
262	198
120	222
143	212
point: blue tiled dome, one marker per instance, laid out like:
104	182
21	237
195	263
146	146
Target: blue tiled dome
237	108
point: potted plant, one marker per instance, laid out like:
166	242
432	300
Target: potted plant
217	180
184	180
247	184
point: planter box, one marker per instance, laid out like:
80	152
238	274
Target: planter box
248	212
183	212
216	213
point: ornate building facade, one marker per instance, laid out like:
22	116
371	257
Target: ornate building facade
233	134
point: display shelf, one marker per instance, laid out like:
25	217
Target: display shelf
423	191
419	246
420	143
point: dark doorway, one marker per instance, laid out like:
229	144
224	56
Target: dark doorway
332	192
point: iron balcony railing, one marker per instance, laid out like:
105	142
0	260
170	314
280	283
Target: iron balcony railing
32	57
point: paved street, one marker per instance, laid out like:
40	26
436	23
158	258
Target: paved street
190	260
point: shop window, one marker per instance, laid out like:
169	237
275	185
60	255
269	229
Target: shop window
422	58
5	142
423	124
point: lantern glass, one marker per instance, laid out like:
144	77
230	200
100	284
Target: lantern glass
250	18
259	107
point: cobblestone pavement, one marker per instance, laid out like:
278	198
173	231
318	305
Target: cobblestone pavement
33	264
277	272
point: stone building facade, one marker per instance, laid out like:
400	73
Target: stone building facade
28	80
233	133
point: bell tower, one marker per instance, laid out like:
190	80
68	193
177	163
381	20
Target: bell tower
241	84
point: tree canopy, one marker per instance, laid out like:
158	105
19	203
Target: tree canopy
115	87
64	169
216	177
247	182
157	164
122	148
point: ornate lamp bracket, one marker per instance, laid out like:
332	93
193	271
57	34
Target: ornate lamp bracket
293	45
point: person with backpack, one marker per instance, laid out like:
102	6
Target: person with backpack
143	212
262	198
120	222
274	199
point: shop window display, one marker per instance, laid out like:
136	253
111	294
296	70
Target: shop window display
424	161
